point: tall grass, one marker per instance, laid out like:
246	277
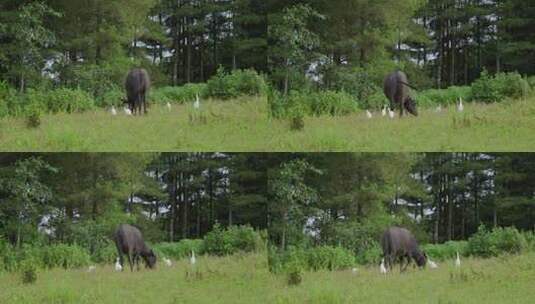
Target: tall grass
246	279
244	125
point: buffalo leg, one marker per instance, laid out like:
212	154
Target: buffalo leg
137	261
121	261
130	261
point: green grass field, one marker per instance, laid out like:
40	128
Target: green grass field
243	125
245	279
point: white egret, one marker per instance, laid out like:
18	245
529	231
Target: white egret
432	264
438	109
91	268
368	114
192	259
458	260
167	262
197	103
382	267
118	266
168	106
460	106
383	111
354	270
391	113
113	111
127	111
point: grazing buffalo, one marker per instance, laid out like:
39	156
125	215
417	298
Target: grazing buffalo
129	241
137	85
398	245
396	88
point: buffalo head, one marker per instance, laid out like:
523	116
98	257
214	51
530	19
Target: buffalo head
150	259
410	106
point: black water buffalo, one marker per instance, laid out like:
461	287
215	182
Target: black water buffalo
137	85
398	245
129	241
396	89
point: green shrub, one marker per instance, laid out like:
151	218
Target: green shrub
371	255
182	94
112	97
300	104
105	254
68	101
331	103
376	101
98	79
295	276
446	251
33	115
499	87
29	272
311	259
231	240
237	83
444	97
178	250
6	93
498	241
65	256
530	240
330	258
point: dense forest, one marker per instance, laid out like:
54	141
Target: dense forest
348	199
322	198
171	196
439	42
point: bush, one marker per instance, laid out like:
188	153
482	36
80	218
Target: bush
237	83
330	258
499	87
331	103
33	115
183	94
112	97
498	241
311	259
232	240
29	272
300	104
6	93
447	250
68	101
65	256
105	254
443	97
178	250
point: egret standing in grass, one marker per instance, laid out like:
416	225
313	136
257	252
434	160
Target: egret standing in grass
192	259
460	106
118	266
167	262
382	268
438	109
458	261
113	111
391	113
383	111
432	264
197	103
168	106
127	111
354	270
368	114
91	268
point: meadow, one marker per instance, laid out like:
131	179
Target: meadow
245	279
243	125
